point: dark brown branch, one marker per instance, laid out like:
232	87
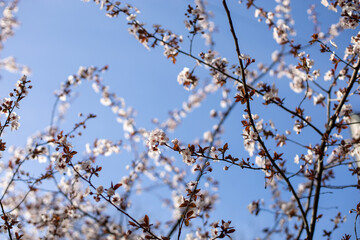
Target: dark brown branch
320	163
6	220
253	123
340	187
355	227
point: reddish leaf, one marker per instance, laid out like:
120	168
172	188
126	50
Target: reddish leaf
132	224
187	222
146	220
189	213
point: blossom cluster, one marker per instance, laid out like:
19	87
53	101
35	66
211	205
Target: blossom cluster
156	138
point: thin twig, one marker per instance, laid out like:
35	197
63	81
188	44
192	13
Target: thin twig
139	225
201	173
355	227
6	220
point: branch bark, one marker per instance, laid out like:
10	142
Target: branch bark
320	161
282	174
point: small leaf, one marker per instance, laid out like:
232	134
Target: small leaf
187	222
189	213
183	205
146	220
132	224
192	205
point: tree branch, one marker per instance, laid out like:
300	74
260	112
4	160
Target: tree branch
253	123
320	163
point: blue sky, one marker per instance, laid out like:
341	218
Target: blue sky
56	37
